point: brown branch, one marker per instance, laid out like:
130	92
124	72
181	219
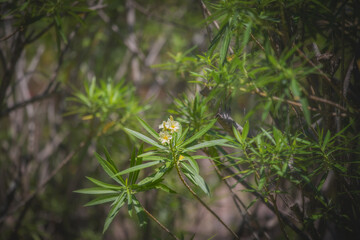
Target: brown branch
159	223
285	219
202	202
30	196
264	94
21	28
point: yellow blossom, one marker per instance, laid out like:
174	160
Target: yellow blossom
165	137
162	125
172	125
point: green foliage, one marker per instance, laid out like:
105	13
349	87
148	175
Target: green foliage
172	153
270	101
111	103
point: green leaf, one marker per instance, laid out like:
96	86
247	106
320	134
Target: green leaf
207	144
164	188
193	163
130	202
140	213
132	164
195	178
109	168
154	158
305	104
147	154
268	136
237	135
148	128
95	190
199	134
105	185
119	202
138	167
225	44
144	138
215	41
246	35
326	140
182	136
245	131
102	199
160	172
138	162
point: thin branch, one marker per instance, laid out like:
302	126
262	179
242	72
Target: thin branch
37	36
202	202
324	76
37	98
21	28
236	199
159	223
285	219
30	196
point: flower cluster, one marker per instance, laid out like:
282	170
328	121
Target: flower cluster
168	128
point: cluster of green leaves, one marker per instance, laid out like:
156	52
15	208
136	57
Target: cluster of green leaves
165	157
194	112
110	102
269	58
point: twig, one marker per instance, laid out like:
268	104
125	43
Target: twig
42	32
325	77
236	199
21	28
267	203
30	196
202	202
40	97
159	223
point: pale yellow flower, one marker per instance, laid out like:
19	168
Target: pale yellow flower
162	125
172	125
165	137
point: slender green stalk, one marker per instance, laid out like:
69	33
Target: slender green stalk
159	223
202	202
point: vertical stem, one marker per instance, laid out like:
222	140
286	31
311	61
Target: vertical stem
282	225
202	202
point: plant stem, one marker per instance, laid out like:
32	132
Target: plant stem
202	202
159	223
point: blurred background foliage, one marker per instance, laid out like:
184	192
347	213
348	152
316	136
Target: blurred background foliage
280	76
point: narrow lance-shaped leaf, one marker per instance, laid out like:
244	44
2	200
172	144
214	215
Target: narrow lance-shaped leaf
215	41
105	185
207	144
138	167
144	138
102	199
108	168
132	164
95	190
119	202
148	128
237	135
138	162
199	134
245	131
195	178
140	213
225	44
